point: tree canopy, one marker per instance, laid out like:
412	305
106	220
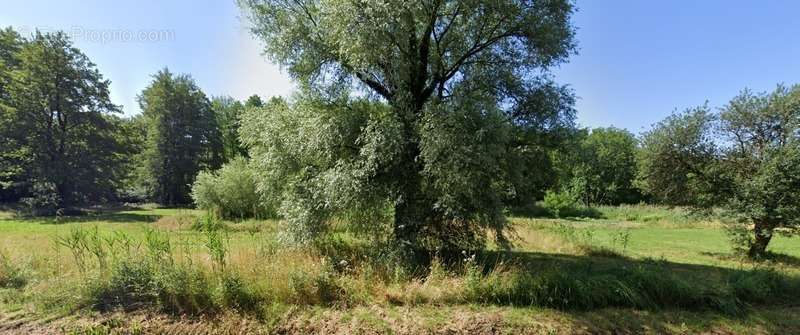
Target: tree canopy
443	84
675	155
183	137
227	112
599	166
743	159
760	163
61	135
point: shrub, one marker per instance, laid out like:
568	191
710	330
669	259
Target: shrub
131	286
763	286
230	192
558	203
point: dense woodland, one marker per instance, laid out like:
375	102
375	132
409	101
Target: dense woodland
422	129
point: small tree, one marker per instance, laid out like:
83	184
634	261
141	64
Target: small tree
675	155
230	192
762	162
751	169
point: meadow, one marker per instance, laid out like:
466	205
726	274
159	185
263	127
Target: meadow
627	269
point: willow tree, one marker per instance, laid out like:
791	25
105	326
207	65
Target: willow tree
448	83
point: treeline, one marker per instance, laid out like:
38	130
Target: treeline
66	145
435	174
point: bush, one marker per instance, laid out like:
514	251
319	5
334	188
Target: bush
230	192
559	203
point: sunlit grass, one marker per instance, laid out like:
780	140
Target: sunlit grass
594	251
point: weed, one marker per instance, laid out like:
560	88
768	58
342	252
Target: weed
11	276
215	245
622	238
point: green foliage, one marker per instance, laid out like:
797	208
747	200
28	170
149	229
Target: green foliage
321	159
406	120
751	169
599	167
231	192
227	112
612	166
43	199
236	294
675	156
182	137
761	165
11	275
649	285
57	124
13	156
558	203
254	101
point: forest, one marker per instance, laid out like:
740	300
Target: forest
427	174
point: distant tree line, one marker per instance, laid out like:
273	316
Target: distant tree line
65	144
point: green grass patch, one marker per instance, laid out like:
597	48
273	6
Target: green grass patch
179	262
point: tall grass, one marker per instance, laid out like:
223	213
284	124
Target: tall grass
11	275
205	274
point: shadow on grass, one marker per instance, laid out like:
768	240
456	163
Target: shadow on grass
770	257
579	282
111	216
770	320
572	214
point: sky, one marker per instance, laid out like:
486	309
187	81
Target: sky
638	61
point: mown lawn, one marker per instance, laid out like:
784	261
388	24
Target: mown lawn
617	246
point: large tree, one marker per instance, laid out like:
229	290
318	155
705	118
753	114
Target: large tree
12	155
456	78
59	123
182	136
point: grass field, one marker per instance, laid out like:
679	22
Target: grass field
632	269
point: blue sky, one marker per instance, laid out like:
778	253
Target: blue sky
638	60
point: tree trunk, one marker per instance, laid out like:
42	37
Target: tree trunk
763	234
413	208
